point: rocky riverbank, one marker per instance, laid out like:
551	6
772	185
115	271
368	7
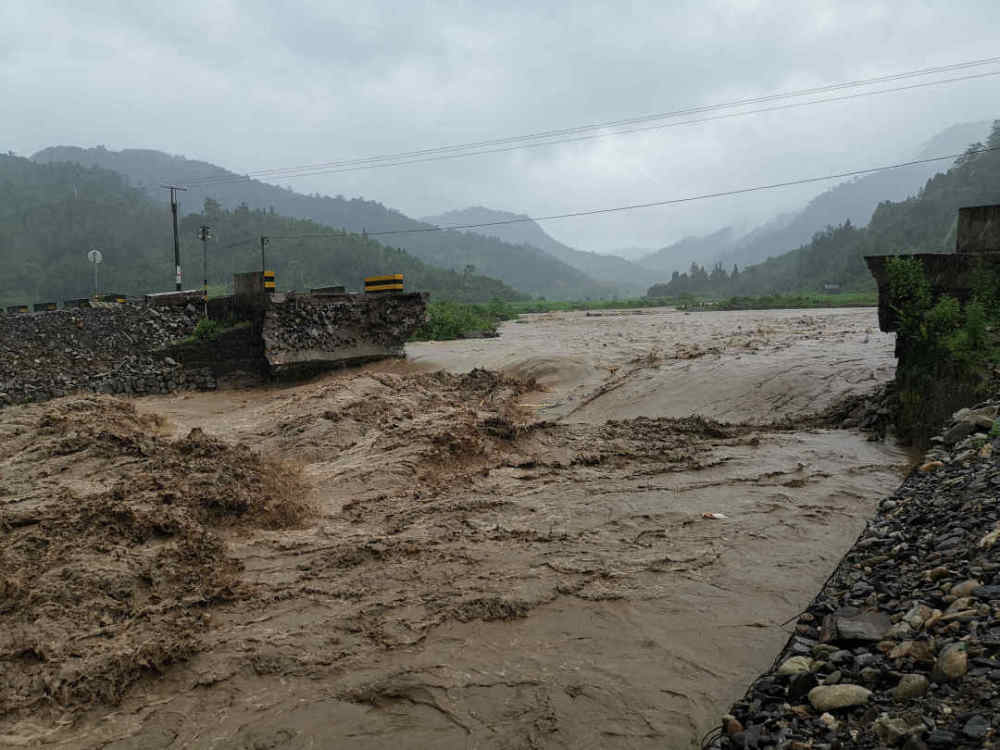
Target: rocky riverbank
901	648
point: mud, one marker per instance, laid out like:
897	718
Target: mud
508	557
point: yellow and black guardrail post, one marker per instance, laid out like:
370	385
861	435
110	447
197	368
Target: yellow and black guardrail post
392	282
269	286
17	309
45	306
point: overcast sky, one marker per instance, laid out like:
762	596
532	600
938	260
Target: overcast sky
256	85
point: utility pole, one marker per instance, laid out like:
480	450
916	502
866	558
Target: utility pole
177	243
264	242
205	234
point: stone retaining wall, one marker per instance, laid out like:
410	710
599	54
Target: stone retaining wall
114	349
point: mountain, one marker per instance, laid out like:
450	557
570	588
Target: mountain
525	268
689	250
923	223
524	231
51	214
853	200
631	252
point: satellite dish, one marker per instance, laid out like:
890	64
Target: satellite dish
95	256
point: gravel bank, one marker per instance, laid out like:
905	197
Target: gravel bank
901	646
110	349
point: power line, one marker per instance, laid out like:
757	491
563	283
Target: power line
593	136
651	204
546	137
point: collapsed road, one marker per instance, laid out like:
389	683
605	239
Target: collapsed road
590	532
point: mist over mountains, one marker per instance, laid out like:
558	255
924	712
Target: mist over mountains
608	268
514	249
854	200
526	268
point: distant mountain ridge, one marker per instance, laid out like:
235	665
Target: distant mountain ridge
525	268
524	231
923	223
52	213
854	200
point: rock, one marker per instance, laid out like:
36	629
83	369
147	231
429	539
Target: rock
965	588
936	574
987	592
941	738
957	432
869	675
824	650
800	684
831	697
976	727
952	663
980	421
795	665
911	686
731	725
960	604
990	539
894	729
917	615
919	651
930	466
900	631
841	657
850	624
830	720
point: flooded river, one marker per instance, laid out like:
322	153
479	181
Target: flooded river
495	566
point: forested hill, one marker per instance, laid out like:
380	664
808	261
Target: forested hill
609	268
853	200
524	268
52	214
923	223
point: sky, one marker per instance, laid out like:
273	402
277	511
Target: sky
257	85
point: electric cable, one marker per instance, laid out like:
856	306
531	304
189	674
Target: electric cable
651	204
553	137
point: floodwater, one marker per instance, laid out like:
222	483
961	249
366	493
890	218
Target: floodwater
494	566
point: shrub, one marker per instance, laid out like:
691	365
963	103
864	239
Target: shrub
207	330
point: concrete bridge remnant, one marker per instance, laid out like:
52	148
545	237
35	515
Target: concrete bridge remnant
977	250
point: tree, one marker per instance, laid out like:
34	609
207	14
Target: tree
994	140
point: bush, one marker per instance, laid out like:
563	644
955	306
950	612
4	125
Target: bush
945	351
207	330
456	320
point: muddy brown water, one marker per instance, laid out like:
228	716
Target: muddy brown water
465	586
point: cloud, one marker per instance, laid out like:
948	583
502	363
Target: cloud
255	85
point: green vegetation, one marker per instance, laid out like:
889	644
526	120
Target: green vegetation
52	214
451	320
527	269
207	330
457	320
946	350
921	224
